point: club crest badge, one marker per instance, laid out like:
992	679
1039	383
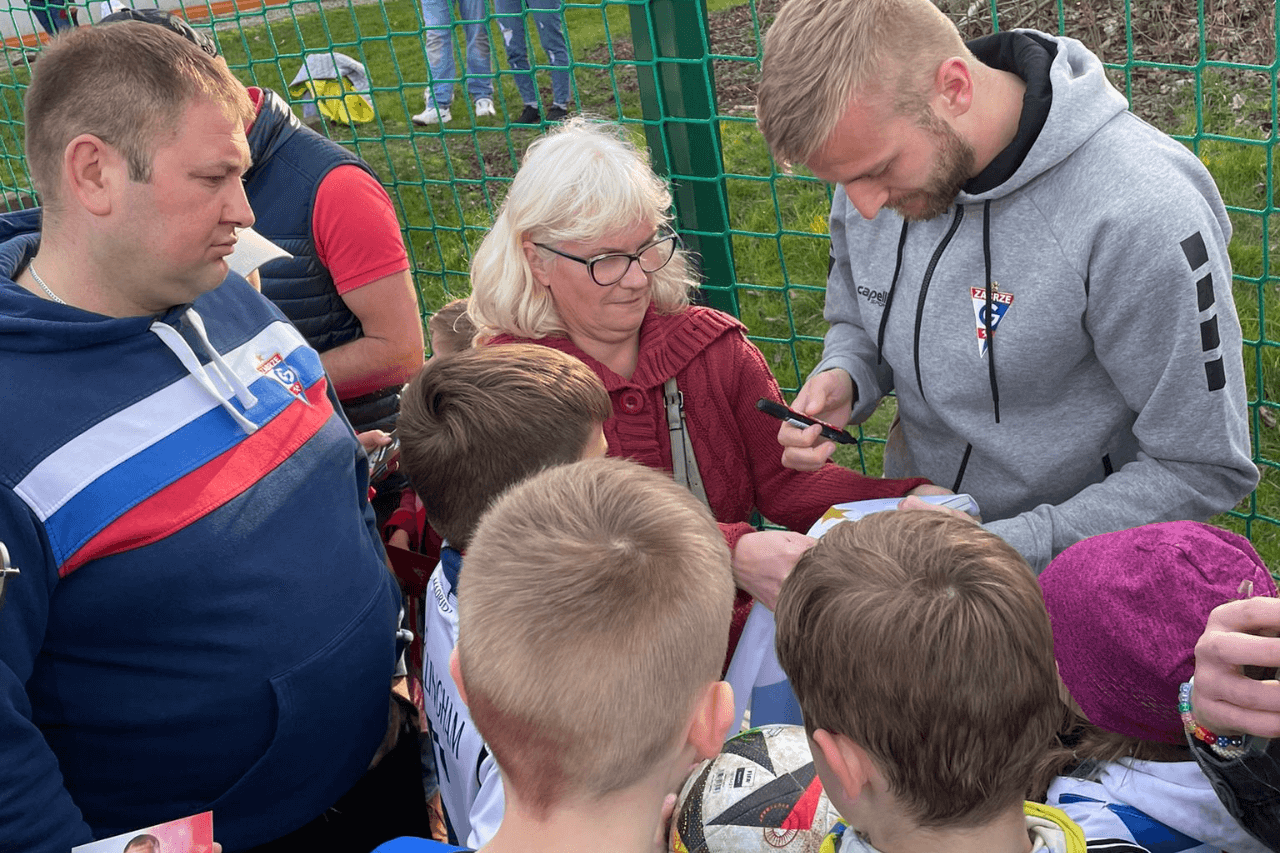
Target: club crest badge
1000	303
279	370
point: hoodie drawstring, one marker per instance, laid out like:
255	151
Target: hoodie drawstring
924	292
986	317
209	376
924	288
888	300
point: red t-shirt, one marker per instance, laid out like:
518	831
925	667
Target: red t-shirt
354	225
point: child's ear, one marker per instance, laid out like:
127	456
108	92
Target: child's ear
849	763
712	719
455	671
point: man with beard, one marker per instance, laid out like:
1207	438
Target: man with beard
1039	276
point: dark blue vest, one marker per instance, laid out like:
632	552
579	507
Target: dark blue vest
289	161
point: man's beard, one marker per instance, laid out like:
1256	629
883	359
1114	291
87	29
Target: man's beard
952	169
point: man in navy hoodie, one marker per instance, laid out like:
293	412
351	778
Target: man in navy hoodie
203	618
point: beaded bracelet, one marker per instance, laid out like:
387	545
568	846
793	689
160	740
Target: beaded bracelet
1227	747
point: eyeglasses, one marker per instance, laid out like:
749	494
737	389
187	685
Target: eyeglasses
610	268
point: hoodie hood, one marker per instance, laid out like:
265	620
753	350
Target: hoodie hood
1080	101
30	323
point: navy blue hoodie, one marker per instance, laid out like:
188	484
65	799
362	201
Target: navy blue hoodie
203	619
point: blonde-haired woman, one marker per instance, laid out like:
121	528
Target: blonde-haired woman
582	258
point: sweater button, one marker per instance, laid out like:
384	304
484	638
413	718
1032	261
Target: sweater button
632	401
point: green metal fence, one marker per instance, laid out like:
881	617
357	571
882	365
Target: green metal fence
680	74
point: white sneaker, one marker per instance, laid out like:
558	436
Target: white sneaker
484	107
433	115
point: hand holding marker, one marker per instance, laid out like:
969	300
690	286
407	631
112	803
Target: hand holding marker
857	509
799	421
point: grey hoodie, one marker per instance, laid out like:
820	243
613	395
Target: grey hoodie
1116	393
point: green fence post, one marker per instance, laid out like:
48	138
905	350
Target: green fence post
678	100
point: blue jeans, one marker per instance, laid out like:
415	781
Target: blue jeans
550	22
52	15
438	34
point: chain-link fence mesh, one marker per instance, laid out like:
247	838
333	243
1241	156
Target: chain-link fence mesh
680	74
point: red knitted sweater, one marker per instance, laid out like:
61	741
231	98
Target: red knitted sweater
721	375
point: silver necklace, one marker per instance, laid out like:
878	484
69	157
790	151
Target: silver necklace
31	268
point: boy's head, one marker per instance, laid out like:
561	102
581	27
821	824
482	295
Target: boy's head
920	639
1127	609
450	329
593	617
475	423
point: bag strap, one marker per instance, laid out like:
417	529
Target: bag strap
683	461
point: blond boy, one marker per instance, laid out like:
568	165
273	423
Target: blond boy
591	635
593	619
922	657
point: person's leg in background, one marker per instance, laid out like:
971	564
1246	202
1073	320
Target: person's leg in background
52	15
39	9
511	24
549	17
437	35
475	18
60	15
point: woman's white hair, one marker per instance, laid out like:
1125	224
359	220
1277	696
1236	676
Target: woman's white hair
579	183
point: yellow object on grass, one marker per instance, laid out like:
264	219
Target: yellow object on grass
336	100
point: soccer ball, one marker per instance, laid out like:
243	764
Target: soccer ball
761	793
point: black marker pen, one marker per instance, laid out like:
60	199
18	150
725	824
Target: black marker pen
800	421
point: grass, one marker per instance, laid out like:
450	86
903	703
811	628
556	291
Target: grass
1241	162
447	182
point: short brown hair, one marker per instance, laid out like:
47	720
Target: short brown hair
451	326
594	607
923	639
475	423
127	84
821	54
